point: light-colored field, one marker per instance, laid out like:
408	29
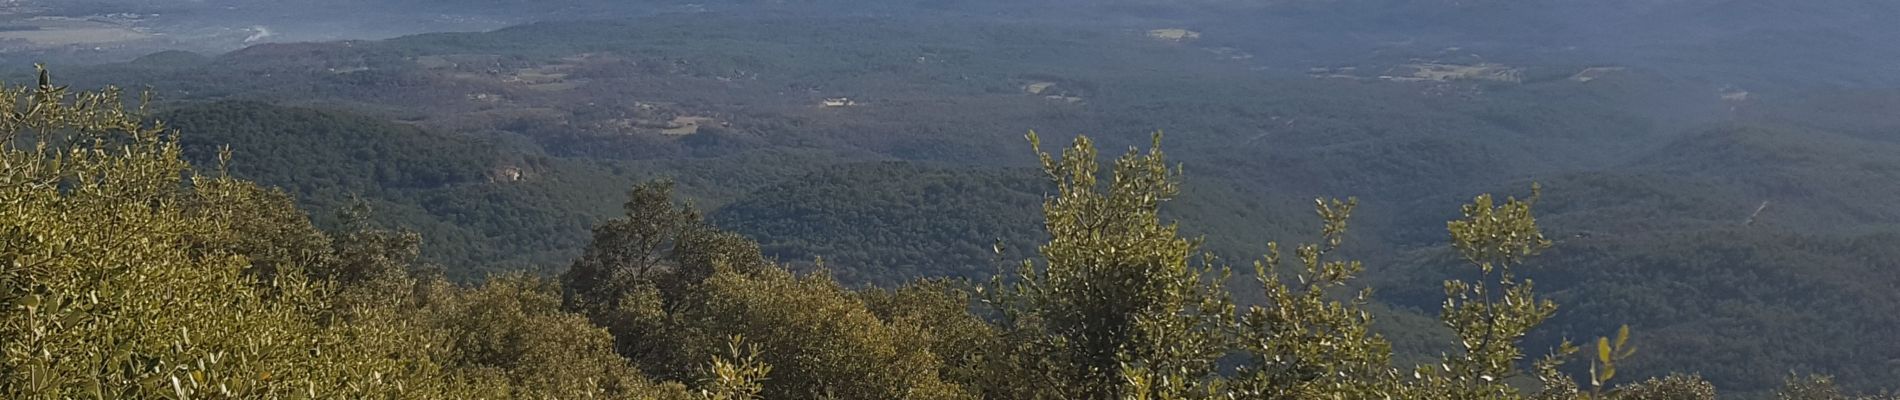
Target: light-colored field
434	62
548	79
1174	34
558	86
56	31
536	76
466	61
1037	87
1231	53
1452	72
686	125
1594	73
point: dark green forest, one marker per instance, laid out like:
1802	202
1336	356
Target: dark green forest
664	207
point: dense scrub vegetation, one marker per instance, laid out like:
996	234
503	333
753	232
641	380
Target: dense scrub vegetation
898	220
121	280
485	204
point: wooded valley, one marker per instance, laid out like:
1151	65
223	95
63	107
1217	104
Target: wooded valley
823	204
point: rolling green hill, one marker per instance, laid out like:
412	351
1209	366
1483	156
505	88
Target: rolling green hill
481	207
1724	248
890	223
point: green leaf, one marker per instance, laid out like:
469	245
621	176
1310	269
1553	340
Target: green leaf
1622	336
1603	350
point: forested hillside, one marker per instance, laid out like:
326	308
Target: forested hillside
125	282
894	222
486	206
1754	234
455	188
1725	203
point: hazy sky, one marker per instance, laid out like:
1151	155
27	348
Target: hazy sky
1780	38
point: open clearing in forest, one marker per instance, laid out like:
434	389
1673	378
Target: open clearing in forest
686	125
